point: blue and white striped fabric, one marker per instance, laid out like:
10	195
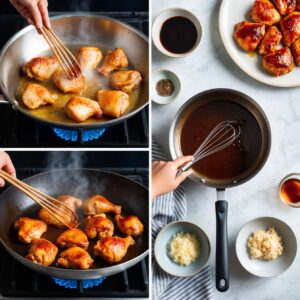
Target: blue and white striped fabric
165	209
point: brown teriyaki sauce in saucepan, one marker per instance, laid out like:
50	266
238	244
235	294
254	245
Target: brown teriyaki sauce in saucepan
232	161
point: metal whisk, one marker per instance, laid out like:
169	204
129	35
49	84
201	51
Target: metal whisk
222	136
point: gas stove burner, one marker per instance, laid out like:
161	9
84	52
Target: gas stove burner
73	135
72	284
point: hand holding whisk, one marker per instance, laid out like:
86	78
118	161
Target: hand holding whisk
222	136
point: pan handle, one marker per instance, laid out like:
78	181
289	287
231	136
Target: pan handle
2	99
222	266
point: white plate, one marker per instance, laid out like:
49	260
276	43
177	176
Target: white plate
231	13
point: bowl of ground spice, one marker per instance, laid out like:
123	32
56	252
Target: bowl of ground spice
165	86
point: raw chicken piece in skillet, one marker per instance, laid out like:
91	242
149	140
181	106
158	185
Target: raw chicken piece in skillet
114	60
296	52
99	226
113	249
263	11
75	258
270	41
285	7
113	103
80	109
279	62
89	57
130	225
98	204
248	35
126	81
73	238
35	95
41	68
75	85
70	201
29	229
290	28
42	252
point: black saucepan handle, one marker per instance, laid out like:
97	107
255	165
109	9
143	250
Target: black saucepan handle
222	267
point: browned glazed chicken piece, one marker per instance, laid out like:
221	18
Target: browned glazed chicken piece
263	11
279	62
70	201
114	60
99	226
75	258
113	249
75	85
29	229
290	28
285	7
298	4
248	35
270	41
80	109
296	52
89	57
35	95
98	204
41	68
42	252
130	225
73	238
126	81
113	103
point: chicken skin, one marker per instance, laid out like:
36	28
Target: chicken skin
270	41
298	4
42	252
89	57
35	95
70	201
248	35
113	103
126	81
290	28
296	52
285	7
41	68
113	249
98	204
29	229
73	238
279	63
99	226
75	258
130	225
75	85
80	109
263	11
114	60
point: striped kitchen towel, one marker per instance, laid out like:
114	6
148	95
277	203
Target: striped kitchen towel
165	209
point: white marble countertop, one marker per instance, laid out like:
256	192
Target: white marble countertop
211	67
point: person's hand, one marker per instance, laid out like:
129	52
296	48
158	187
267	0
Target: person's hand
6	165
34	11
164	173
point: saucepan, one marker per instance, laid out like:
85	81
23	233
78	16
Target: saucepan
221	205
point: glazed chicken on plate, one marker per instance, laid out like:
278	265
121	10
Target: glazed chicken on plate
29	229
270	41
130	225
41	68
296	52
98	204
75	85
263	11
35	95
89	57
113	249
114	60
73	238
285	7
126	81
99	226
42	252
80	109
75	258
290	28
113	103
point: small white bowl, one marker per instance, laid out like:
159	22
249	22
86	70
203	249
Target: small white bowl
266	268
161	249
165	74
170	13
